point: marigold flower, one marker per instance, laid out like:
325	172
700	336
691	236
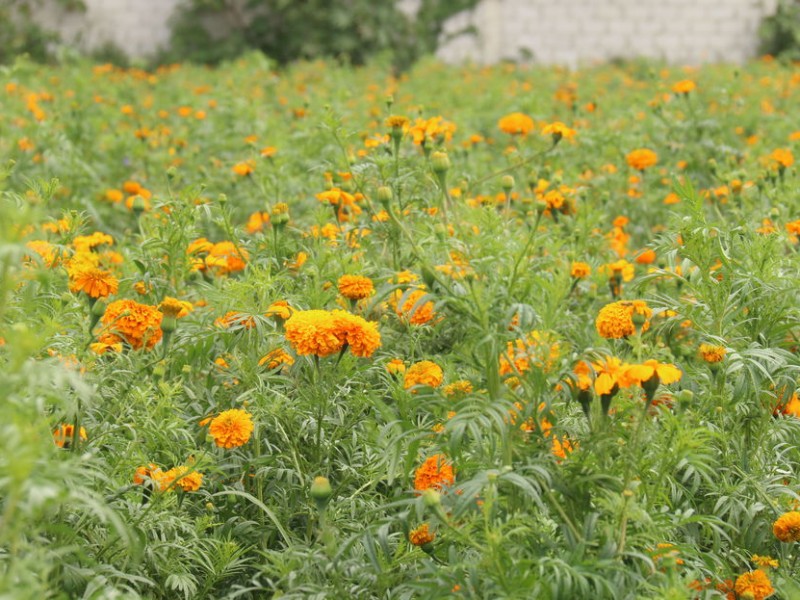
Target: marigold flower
138	324
94	282
149	473
355	287
458	388
615	320
421	536
396	366
787	527
711	353
106	343
756	583
684	86
417	311
557	129
233	318
279	309
172	307
257	221
609	376
435	473
231	428
243	169
641	159
276	358
580	270
360	335
516	124
181	476
397	121
46	251
765	562
641	373
781	158
65	433
423	373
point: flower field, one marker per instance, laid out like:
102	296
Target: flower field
505	332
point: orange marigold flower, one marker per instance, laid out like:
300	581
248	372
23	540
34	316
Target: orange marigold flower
396	121
149	473
414	308
276	358
711	353
360	335
279	309
94	282
106	343
436	472
755	583
516	124
609	375
46	251
684	87
558	130
257	221
421	536
65	433
423	373
781	158
765	562
235	319
226	257
243	169
183	477
641	159
355	287
787	527
641	373
231	428
138	324
313	332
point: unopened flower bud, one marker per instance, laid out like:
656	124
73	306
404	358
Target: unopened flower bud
385	195
440	162
321	491
431	498
507	183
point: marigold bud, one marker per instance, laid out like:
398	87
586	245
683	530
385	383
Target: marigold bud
321	491
431	498
507	182
385	195
440	162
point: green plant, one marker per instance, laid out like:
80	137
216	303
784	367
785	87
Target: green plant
780	33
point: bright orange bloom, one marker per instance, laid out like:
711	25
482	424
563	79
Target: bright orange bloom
172	307
755	583
423	373
65	433
138	324
616	320
711	353
641	159
417	311
557	129
684	87
182	477
516	124
579	270
94	282
421	536
231	428
276	358
243	169
641	373
436	472
355	287
787	527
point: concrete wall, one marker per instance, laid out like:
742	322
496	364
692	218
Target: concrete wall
570	32
574	32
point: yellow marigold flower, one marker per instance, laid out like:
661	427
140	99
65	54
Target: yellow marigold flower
86	243
397	121
561	447
684	86
396	366
516	124
787	527
324	333
172	307
609	375
421	536
188	481
235	319
279	309
355	287
147	473
755	583
458	388
226	257
765	562
557	129
436	472
94	282
579	270
666	373
405	277
65	433
106	343
138	324
641	159
423	373
711	353
621	268
276	358
231	428
46	251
